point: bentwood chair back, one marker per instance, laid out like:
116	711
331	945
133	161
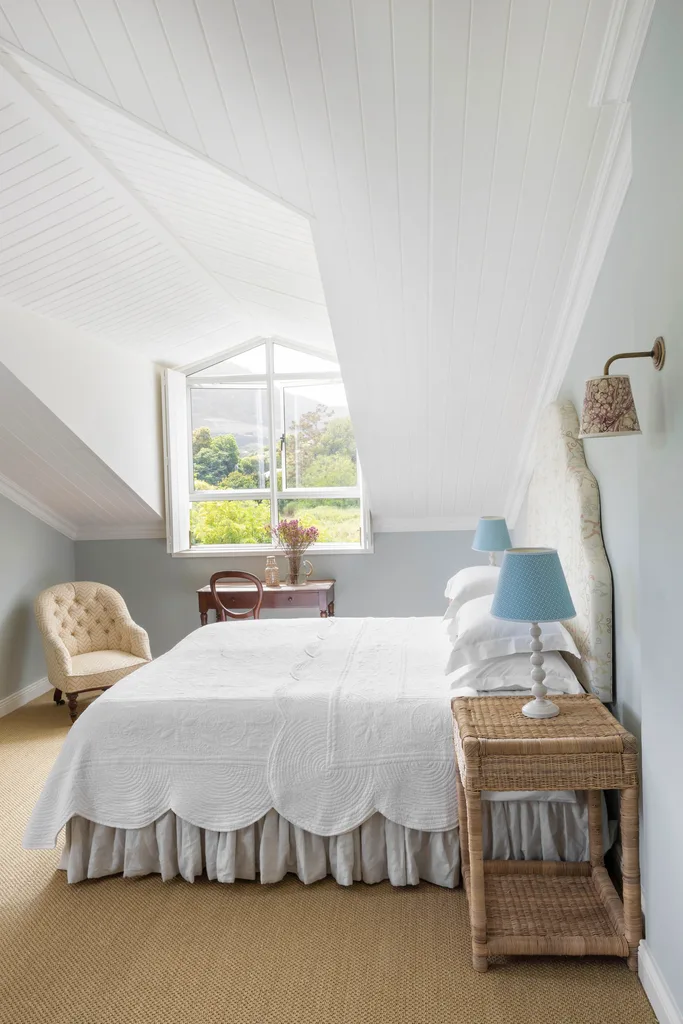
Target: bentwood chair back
222	610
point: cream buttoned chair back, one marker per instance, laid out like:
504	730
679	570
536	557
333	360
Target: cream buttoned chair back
89	638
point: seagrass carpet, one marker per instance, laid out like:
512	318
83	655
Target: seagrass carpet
118	951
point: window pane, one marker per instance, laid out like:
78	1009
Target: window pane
230	437
320	449
252	361
338	520
230	522
290	360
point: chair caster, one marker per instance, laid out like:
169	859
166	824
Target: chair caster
59	703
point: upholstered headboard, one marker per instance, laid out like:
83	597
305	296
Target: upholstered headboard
564	513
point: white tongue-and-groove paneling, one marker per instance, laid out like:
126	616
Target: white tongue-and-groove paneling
543	158
260	251
72	249
450	152
181	67
43	461
157	247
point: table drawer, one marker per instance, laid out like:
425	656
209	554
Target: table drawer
295	599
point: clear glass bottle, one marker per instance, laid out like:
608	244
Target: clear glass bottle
272	572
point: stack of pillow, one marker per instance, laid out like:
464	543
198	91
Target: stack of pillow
492	655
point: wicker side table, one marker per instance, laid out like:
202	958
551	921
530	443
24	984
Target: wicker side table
547	907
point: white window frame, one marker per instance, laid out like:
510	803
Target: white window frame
178	462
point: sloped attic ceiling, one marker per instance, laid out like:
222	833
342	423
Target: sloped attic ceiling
47	469
462	161
117	231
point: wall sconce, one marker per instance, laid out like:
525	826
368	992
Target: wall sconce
608	406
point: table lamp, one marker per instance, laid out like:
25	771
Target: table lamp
532	588
491	535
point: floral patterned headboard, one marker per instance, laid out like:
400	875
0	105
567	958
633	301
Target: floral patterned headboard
564	513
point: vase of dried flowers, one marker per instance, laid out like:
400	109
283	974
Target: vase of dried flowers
295	539
298	574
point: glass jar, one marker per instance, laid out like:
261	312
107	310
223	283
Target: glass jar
272	575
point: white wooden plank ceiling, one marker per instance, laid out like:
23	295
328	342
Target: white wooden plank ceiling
453	154
126	235
259	251
48	469
72	249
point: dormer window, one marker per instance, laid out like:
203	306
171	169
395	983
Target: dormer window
257	435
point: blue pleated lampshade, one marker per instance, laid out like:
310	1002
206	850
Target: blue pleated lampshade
532	587
491	534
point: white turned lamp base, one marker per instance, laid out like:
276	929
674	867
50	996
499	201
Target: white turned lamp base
540	706
492	557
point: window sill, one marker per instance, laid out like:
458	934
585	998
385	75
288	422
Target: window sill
225	550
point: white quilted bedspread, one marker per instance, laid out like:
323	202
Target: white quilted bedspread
327	721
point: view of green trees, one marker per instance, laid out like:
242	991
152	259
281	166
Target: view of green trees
319	451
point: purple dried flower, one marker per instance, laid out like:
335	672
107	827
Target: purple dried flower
293	537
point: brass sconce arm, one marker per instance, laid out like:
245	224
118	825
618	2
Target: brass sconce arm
657	354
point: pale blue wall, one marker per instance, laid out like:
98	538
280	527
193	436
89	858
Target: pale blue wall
406	575
32	556
639	296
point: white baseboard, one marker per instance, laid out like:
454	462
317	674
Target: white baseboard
656	989
24	696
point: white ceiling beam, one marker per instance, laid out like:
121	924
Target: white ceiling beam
627	28
57	124
10	47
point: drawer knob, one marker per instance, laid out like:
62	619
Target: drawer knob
289	598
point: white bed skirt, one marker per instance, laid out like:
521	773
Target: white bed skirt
272	847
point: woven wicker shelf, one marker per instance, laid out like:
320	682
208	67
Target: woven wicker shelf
534	907
552	913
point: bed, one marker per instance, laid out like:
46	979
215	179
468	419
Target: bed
315	746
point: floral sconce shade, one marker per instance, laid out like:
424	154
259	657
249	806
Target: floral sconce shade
608	406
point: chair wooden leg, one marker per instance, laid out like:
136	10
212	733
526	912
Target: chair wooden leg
57	697
72	699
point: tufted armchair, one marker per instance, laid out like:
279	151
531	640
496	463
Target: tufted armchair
89	639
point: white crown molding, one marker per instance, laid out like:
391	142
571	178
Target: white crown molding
128	115
142	531
627	28
383	524
20	497
24	696
608	197
43	110
656	988
30	504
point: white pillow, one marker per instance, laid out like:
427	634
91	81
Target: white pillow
513	672
476	581
477	636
